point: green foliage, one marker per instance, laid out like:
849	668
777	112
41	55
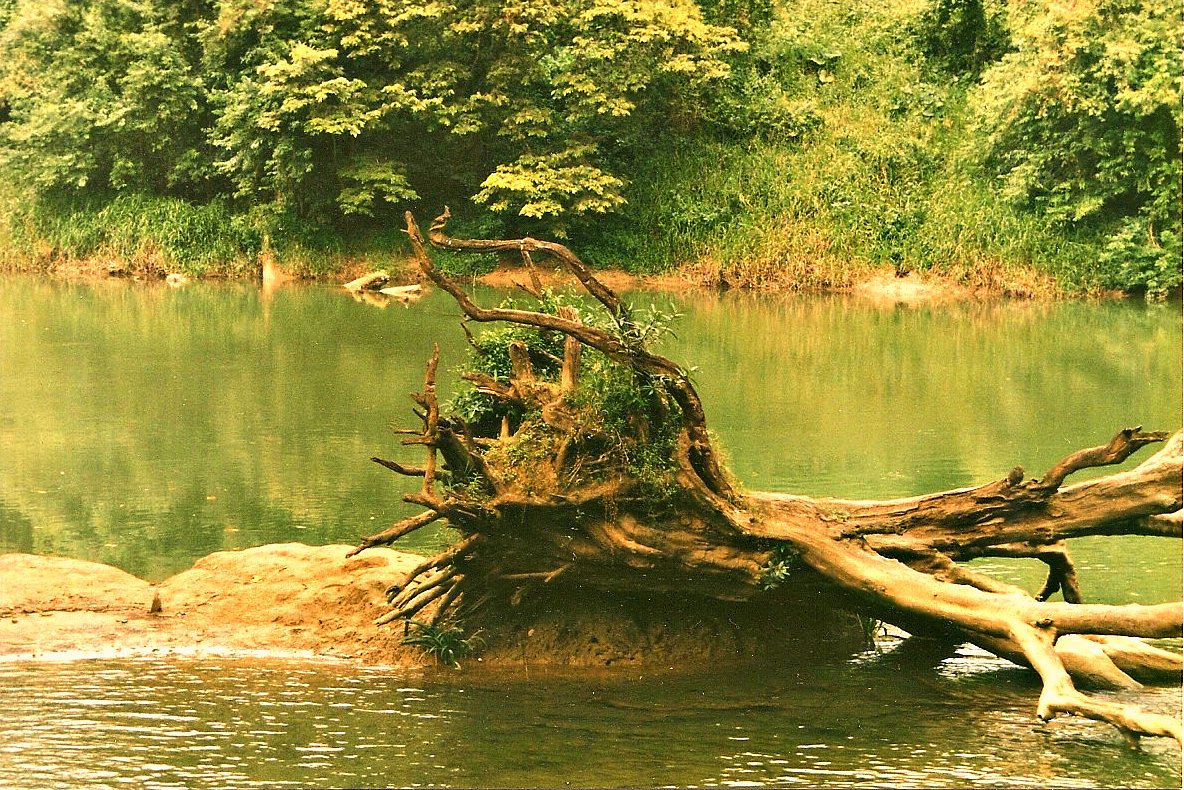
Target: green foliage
783	562
323	110
552	185
630	415
885	172
102	95
491	356
744	15
369	182
794	143
871	628
1083	123
622	421
962	37
444	642
519	106
1134	256
154	233
631	411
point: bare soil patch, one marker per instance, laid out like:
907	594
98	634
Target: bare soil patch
887	288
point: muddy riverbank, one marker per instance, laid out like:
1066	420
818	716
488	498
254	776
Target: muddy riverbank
311	601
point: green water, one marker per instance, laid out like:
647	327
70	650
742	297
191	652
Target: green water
145	427
155	723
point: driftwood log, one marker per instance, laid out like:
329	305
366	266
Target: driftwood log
589	463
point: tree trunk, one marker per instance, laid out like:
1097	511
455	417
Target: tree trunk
582	460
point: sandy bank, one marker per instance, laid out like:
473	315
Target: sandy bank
288	598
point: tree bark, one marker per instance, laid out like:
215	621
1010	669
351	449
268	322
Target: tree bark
548	494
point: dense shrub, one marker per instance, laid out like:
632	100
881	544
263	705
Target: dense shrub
1082	123
962	37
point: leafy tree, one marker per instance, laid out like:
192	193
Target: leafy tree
287	114
1083	123
319	109
102	95
344	105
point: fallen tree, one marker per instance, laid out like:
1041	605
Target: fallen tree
581	460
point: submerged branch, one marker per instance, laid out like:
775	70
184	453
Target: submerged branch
1060	695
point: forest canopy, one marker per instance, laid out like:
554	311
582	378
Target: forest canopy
298	117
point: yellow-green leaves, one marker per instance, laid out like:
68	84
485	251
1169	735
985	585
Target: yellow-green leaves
326	108
369	181
553	185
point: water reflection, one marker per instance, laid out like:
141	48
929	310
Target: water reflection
834	397
144	426
239	724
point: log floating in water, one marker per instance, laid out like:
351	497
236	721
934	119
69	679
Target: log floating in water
369	282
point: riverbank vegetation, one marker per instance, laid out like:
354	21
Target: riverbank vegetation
752	143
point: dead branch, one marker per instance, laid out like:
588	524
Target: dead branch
633	355
398	468
398	530
1060	696
1124	443
566	513
603	294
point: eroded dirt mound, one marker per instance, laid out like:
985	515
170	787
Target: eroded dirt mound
34	584
591	629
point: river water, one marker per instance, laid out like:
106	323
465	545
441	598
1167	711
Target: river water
144	427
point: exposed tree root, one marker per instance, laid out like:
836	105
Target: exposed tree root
588	466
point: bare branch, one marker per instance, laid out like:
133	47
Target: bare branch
634	355
603	294
1139	658
410	611
603	521
398	468
398	530
1062	573
446	557
945	569
432	420
1124	443
420	586
453	596
1060	696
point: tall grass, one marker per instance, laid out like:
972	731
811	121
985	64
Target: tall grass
144	233
884	179
158	235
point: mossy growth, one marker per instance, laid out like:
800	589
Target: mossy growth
617	424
